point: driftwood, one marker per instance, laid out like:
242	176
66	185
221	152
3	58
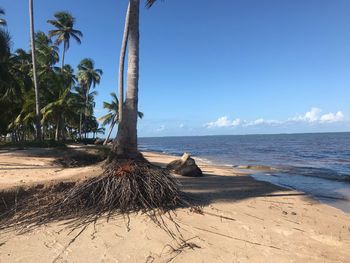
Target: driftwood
185	166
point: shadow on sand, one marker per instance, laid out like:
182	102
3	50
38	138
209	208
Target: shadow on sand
221	188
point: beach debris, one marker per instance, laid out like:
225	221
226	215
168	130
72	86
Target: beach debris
185	166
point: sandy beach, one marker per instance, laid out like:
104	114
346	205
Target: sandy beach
243	220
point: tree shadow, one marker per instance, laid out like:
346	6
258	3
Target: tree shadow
213	188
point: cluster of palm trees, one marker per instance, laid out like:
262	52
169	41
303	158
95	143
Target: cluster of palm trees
39	100
67	103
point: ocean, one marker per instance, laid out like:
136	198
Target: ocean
315	163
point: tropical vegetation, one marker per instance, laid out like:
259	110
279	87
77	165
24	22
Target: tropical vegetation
39	100
112	117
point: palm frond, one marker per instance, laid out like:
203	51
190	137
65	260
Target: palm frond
149	3
140	114
76	38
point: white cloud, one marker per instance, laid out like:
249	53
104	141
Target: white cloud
223	122
236	122
181	125
261	121
332	117
220	122
313	116
310	116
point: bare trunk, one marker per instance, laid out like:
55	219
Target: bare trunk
86	108
121	64
57	132
63	53
109	133
35	79
126	142
63	134
80	123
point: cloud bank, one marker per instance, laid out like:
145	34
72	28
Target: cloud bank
314	116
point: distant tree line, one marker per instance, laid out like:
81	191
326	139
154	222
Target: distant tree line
65	94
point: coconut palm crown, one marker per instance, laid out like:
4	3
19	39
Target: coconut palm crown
64	24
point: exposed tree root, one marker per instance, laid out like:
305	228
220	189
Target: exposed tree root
126	186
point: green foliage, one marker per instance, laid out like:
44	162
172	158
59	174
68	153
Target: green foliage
113	107
65	98
64	30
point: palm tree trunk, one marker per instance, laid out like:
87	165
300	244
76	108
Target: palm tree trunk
86	108
126	142
80	124
63	135
63	52
57	132
35	79
109	133
122	62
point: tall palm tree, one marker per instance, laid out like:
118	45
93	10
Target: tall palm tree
126	142
113	116
36	85
2	20
64	24
88	77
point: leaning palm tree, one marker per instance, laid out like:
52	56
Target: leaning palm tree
126	141
36	85
88	77
64	24
2	20
113	116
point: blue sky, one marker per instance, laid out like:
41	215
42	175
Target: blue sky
218	67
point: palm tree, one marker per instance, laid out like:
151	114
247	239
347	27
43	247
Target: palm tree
64	24
46	53
60	103
88	77
126	142
36	85
113	116
2	21
57	110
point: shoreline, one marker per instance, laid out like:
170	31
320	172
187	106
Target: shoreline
339	198
243	220
343	204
